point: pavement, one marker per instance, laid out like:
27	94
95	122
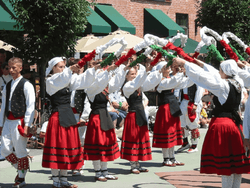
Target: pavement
156	177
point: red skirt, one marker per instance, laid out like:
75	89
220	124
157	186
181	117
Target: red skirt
223	151
167	129
99	144
135	144
62	147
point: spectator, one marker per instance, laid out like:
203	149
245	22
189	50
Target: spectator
4	78
120	104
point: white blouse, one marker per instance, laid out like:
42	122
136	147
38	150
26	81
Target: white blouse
178	81
208	79
64	79
103	80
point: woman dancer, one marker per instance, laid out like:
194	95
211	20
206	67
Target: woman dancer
62	148
135	140
100	143
167	129
223	152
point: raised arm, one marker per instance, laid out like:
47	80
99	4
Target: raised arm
152	80
133	85
58	81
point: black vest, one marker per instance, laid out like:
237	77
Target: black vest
191	92
60	102
99	106
79	99
18	100
230	107
167	97
135	105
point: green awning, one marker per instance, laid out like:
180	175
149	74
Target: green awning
114	18
6	10
96	24
158	23
190	46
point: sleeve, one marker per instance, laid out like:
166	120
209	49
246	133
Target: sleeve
246	120
170	83
198	95
144	97
152	80
133	85
2	116
116	81
213	72
202	78
29	93
58	81
100	83
245	76
83	80
86	110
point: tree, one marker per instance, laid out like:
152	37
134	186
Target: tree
226	15
48	29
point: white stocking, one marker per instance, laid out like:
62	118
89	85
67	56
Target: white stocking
165	152
237	180
171	152
104	168
227	181
55	176
97	168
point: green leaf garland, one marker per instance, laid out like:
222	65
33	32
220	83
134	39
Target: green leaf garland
108	60
139	59
237	53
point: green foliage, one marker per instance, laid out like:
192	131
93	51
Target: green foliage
226	15
51	26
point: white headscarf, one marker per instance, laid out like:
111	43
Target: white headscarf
230	68
159	66
52	63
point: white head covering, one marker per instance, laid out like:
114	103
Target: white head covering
159	66
52	63
230	68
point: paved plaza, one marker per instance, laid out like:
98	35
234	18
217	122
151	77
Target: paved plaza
158	176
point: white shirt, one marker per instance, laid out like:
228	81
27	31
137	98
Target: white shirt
29	94
86	110
64	79
210	79
103	80
178	81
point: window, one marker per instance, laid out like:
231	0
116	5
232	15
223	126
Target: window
182	20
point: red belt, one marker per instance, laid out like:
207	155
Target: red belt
19	127
185	96
74	111
11	116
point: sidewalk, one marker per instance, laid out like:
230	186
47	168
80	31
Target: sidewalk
41	177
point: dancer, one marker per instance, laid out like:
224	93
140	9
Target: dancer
100	144
16	117
191	106
223	152
167	129
135	139
62	147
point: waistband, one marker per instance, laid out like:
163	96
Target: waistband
11	116
185	96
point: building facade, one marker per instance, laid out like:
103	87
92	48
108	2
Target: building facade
183	12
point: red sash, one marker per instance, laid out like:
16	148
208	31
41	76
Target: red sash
191	116
19	127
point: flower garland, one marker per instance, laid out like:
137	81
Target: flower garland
125	57
87	58
156	60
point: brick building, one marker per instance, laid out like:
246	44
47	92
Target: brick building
183	12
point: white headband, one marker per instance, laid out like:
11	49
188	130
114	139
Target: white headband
52	63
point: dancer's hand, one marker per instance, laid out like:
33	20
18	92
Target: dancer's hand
194	109
247	143
26	131
178	62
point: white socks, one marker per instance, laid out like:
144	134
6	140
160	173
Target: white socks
232	181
